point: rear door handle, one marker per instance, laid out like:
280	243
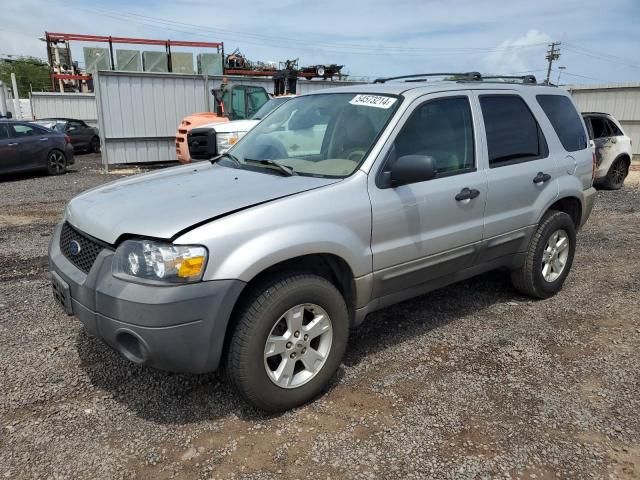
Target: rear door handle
467	194
541	177
44	139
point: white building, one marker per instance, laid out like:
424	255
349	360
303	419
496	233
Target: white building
620	100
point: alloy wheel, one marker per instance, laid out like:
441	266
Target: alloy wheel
298	345
555	255
57	162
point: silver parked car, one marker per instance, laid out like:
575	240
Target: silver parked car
612	147
337	204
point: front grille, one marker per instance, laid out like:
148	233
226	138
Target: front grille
88	252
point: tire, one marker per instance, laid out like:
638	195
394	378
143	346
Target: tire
263	314
616	175
56	163
94	146
530	278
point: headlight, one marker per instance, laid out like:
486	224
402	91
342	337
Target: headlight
224	141
160	262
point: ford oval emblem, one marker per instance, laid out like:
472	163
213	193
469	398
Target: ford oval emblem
74	247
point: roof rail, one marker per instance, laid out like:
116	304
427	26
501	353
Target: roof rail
461	77
531	79
475	76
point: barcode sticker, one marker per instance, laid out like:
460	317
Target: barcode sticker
378	101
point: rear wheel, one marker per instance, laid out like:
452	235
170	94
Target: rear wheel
94	146
616	175
549	257
56	163
289	341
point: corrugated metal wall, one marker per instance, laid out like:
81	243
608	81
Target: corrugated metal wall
621	101
81	106
139	113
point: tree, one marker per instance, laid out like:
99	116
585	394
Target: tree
31	74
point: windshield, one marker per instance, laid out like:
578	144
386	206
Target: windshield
269	107
325	135
51	124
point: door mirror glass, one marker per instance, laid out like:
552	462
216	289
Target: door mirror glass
412	169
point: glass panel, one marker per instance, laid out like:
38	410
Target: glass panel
512	131
565	121
599	126
323	134
442	129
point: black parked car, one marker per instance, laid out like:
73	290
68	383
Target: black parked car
83	137
26	146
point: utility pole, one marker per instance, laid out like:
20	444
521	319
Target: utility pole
552	54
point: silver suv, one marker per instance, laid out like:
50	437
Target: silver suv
337	204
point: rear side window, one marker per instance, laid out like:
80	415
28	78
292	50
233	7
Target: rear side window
613	128
599	127
513	134
565	121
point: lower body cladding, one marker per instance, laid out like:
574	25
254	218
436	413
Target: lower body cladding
176	328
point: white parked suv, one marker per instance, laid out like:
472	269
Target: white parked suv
337	204
612	147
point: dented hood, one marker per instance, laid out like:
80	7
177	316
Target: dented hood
165	203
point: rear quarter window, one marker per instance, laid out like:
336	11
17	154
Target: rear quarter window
565	121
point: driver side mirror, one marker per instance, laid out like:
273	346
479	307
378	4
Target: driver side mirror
412	169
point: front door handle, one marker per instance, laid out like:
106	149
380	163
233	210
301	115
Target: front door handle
44	139
12	144
467	194
541	177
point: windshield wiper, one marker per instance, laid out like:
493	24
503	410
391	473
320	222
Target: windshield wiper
229	156
288	171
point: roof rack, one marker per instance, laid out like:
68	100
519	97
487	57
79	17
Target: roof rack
461	77
531	79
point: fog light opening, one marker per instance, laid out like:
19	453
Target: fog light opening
131	347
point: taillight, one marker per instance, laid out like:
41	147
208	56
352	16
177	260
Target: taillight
67	139
593	166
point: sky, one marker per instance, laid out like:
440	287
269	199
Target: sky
600	40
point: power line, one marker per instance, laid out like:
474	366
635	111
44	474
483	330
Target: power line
601	55
260	39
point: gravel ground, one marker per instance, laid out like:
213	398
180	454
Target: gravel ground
472	381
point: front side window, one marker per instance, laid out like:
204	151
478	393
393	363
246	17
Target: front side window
443	130
319	135
513	134
565	121
256	98
4	132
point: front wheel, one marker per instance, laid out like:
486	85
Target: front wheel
549	257
288	342
56	163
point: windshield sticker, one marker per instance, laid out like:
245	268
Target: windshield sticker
377	101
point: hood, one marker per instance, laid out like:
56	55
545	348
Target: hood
230	127
167	202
